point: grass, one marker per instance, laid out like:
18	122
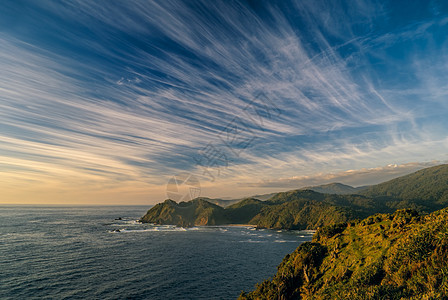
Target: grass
402	255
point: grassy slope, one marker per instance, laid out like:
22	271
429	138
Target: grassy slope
386	256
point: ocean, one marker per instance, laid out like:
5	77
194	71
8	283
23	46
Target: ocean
85	253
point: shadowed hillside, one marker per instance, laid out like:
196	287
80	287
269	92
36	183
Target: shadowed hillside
186	214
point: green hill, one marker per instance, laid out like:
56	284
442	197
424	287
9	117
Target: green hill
307	209
300	209
425	190
186	214
244	211
386	256
300	214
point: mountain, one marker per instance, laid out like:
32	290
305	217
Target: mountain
334	188
300	214
299	209
186	214
307	209
244	211
424	191
385	256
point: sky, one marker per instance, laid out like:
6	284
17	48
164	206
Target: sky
132	102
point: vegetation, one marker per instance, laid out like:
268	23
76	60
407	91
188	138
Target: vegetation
402	255
244	211
186	214
300	214
424	191
290	210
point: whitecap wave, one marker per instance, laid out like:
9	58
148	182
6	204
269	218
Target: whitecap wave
284	241
253	241
125	222
125	228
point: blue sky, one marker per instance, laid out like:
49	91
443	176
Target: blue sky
103	102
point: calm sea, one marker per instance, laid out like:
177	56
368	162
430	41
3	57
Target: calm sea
83	252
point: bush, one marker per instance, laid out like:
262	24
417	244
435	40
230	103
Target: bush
330	230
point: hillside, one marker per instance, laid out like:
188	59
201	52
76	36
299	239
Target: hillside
426	190
306	209
244	211
186	214
386	256
301	214
300	209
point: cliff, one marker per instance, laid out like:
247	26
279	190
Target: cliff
402	255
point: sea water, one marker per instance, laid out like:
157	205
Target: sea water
89	253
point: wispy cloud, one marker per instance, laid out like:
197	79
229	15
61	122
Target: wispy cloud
97	94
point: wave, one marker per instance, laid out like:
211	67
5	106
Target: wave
284	241
253	241
127	223
154	228
253	235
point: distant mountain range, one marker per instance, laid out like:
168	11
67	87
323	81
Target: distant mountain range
312	207
331	188
335	188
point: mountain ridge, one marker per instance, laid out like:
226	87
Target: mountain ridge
308	209
335	188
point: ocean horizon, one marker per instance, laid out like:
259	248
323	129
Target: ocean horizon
71	252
